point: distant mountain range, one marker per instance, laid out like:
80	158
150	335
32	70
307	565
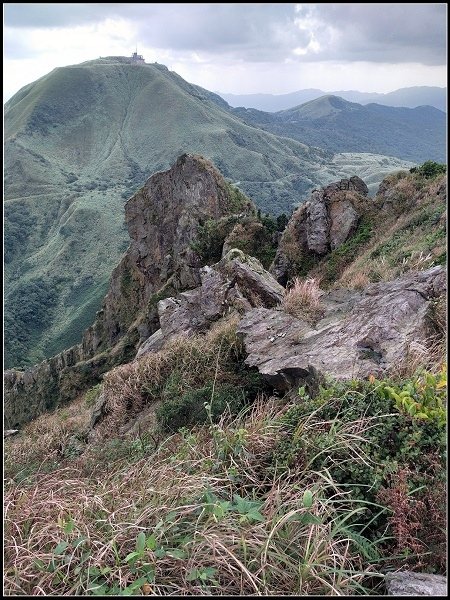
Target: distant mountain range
408	97
329	122
80	141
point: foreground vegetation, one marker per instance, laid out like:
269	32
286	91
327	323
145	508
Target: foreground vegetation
290	496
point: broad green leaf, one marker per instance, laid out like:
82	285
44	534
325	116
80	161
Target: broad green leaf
128	591
192	575
307	499
138	583
132	556
412	409
421	415
60	548
69	526
151	542
98	590
309	519
140	542
254	515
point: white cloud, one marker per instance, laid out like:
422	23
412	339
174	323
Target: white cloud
238	48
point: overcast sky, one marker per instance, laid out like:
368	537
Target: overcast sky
238	48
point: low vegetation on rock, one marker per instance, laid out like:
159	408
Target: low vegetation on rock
302	299
225	435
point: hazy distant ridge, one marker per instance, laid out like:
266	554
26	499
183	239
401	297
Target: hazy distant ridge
329	122
409	97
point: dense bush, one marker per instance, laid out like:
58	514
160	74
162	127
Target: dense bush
18	223
429	169
179	378
211	237
198	406
369	436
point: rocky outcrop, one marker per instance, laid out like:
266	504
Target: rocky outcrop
361	333
236	283
407	583
320	225
163	219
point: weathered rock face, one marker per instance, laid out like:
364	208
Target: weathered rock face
163	220
407	583
360	334
320	225
237	282
317	223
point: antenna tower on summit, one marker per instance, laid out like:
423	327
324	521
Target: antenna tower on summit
137	58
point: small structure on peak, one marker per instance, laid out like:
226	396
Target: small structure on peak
137	58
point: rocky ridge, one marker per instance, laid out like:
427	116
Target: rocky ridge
163	219
162	288
361	334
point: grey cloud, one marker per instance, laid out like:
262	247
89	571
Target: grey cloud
51	15
393	33
374	32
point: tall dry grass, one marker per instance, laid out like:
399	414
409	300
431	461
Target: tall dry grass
185	362
68	532
46	440
302	299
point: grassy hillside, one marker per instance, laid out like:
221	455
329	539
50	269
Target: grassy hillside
415	134
81	140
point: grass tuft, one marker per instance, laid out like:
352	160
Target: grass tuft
302	300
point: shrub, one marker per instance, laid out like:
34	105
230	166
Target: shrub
198	406
429	169
91	395
173	374
211	237
355	432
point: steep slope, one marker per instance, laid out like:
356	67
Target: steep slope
403	228
81	140
145	482
163	220
417	134
408	97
